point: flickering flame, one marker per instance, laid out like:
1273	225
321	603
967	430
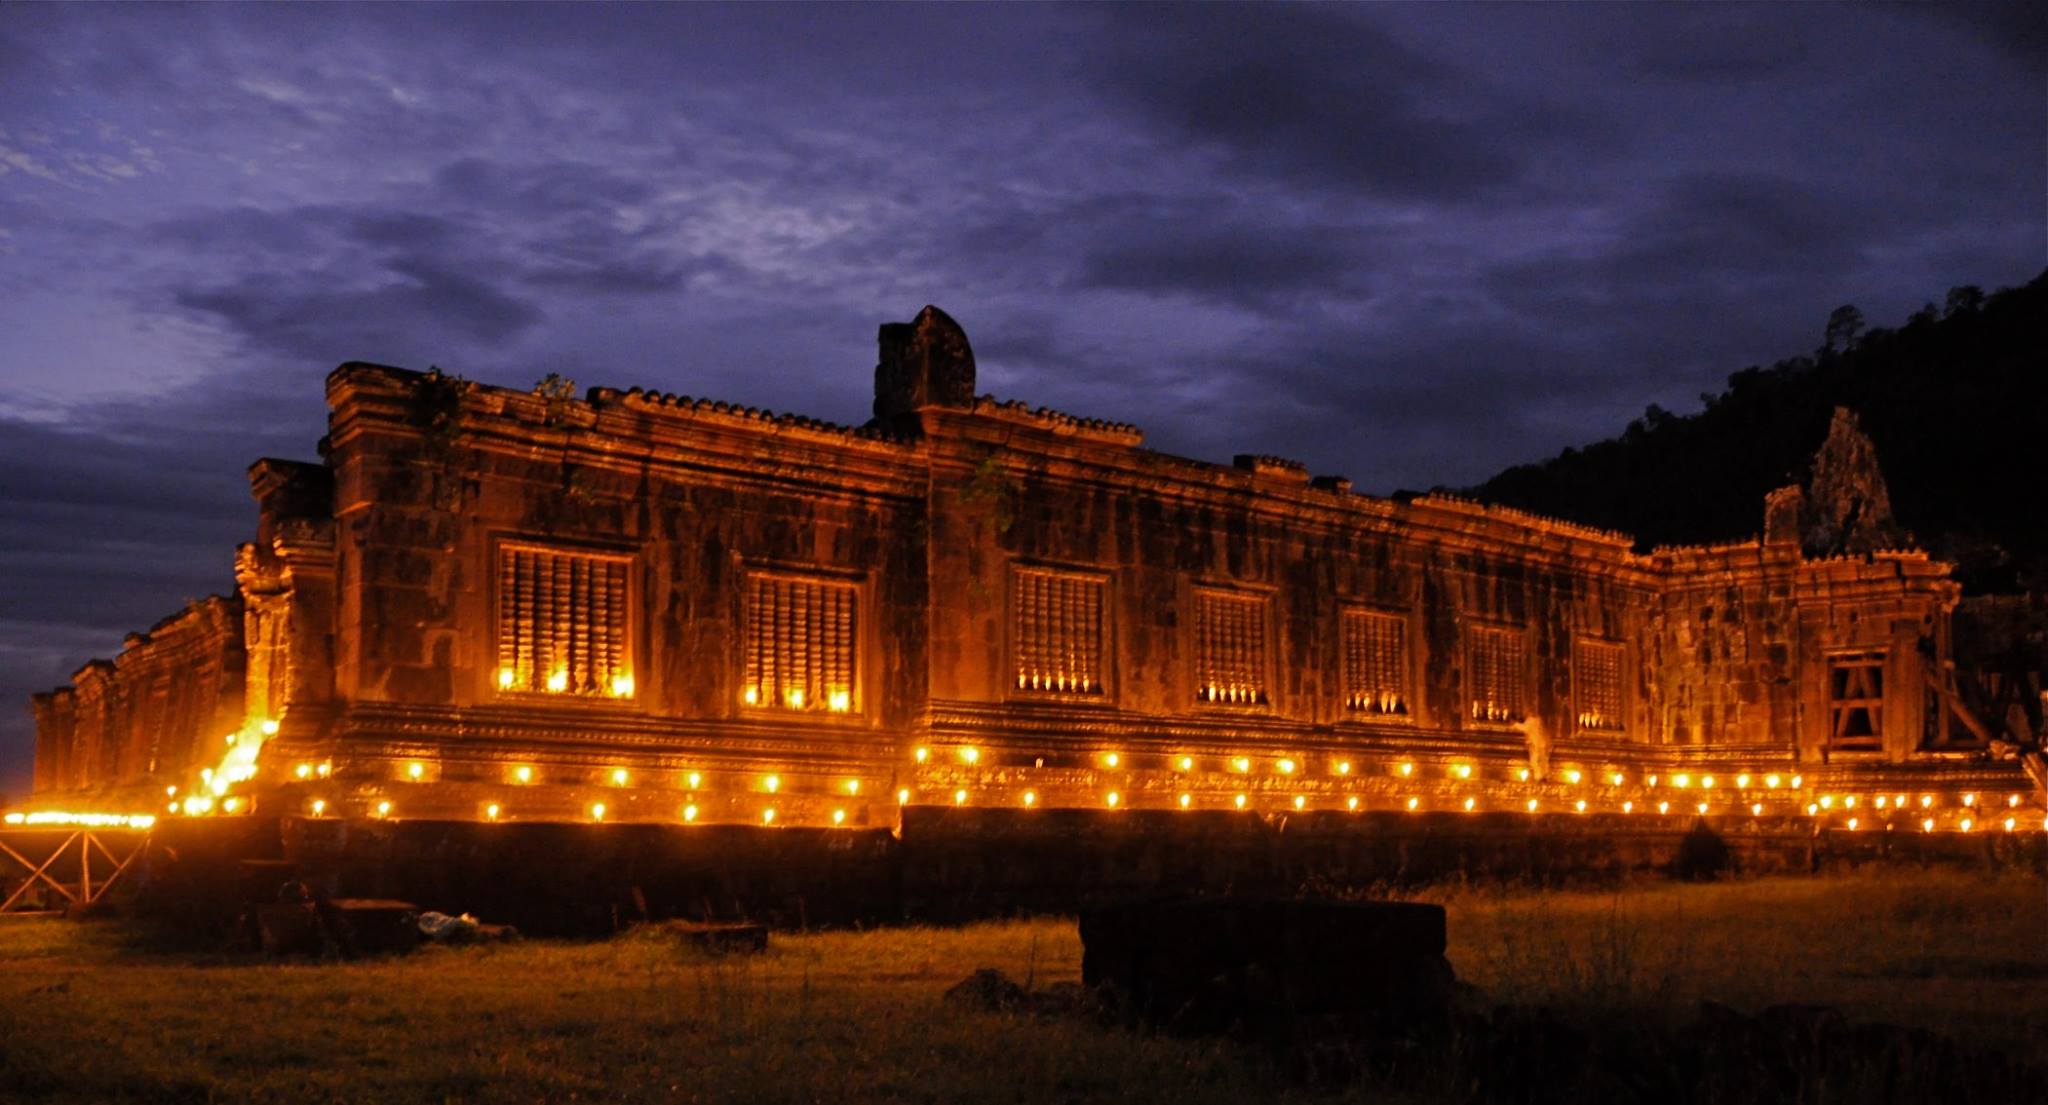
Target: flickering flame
1239	800
230	804
853	786
1344	767
1286	767
522	774
1757	810
1241	763
1580	806
1707	782
1663	807
1771	781
839	817
1462	771
771	783
1880	801
1681	780
620	776
302	771
415	770
597	811
920	754
492	811
960	797
1926	800
622	686
969	754
1030	798
751	696
1406	769
1798	781
1849	802
696	779
1186	763
839	701
1112	798
1532	805
1628	807
1572	776
1299	801
690	812
903	796
1351	803
795	697
1470	803
1827	801
1702	807
1852	824
1523	775
768	816
318	806
1742	782
2010	822
1927	826
324	769
1111	759
198	804
1969	799
1967	823
1416	804
1617	778
506	677
384	809
238	763
1186	800
558	682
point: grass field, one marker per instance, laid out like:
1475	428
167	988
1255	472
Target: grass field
87	1016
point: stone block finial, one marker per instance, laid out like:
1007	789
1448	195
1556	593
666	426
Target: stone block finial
924	363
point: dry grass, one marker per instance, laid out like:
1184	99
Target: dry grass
855	1017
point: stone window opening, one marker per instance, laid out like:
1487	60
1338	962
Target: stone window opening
1057	630
1499	662
1856	701
800	644
1376	664
1230	649
1597	685
563	622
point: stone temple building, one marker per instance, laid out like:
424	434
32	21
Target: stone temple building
485	604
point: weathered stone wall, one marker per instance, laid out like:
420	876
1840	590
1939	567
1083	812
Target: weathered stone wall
371	602
127	728
696	496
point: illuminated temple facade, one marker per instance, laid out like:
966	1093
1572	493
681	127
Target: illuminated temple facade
493	604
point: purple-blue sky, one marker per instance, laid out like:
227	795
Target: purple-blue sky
1411	244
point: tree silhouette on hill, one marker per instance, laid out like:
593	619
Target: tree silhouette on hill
1956	400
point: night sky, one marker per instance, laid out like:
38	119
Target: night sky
1411	245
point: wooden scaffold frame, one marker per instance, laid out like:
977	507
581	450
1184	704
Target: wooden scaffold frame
84	892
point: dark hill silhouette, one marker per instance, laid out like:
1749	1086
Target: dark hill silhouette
1956	401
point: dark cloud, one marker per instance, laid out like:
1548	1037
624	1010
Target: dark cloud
1319	95
1236	261
2018	28
417	305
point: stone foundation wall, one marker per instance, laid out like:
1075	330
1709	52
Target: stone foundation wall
958	865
